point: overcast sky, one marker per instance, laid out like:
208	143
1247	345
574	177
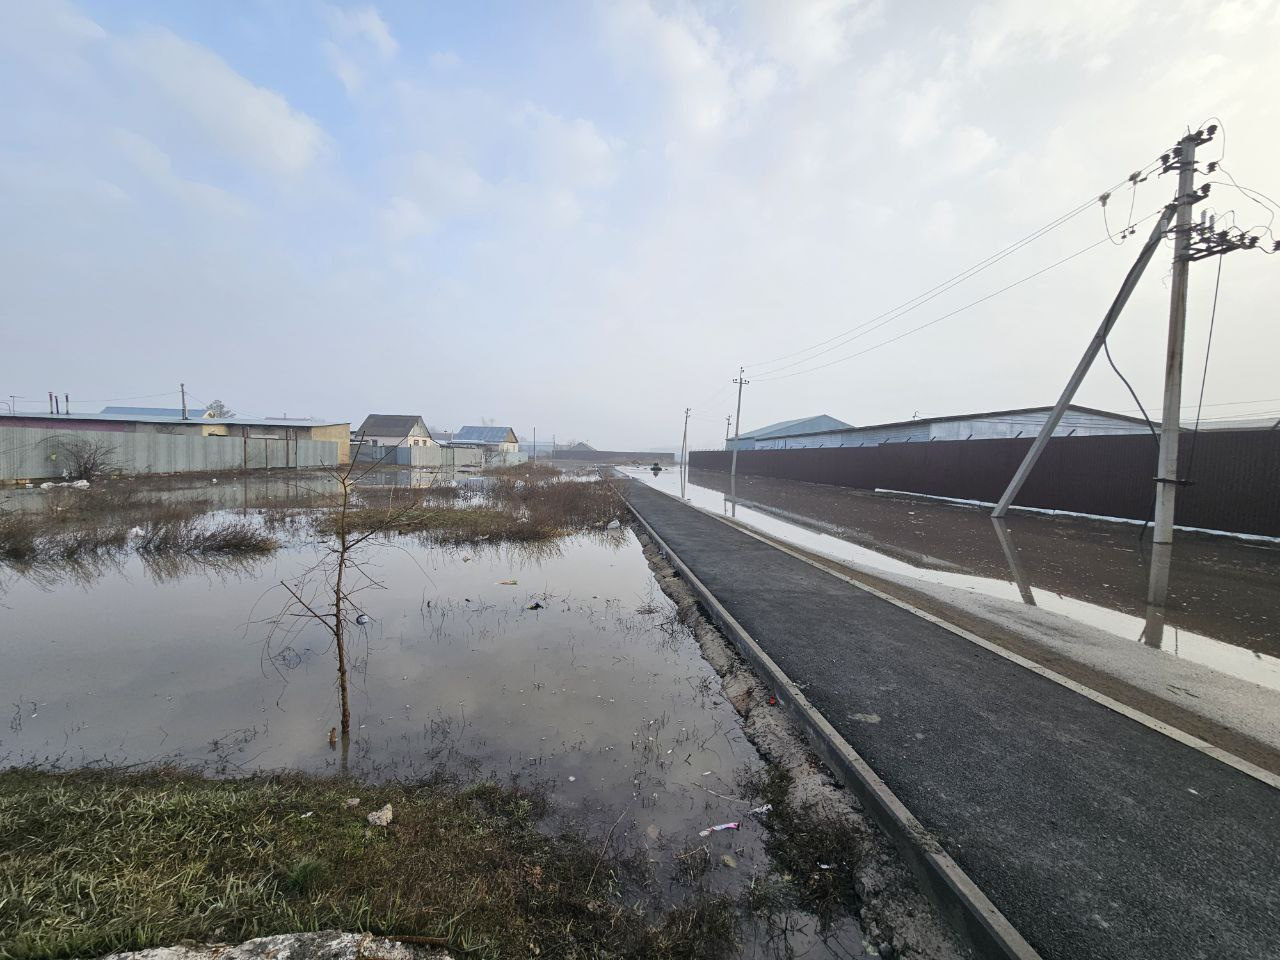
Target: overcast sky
582	217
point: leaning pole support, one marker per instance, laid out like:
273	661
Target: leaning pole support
1090	354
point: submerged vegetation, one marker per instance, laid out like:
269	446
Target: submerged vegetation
92	528
96	862
520	504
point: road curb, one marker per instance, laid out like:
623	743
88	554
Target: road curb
964	906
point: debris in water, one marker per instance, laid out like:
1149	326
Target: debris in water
362	618
534	606
506	583
333	736
612	525
571	779
380	818
718	827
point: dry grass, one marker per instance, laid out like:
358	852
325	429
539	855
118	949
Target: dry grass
190	537
92	863
18	533
523	504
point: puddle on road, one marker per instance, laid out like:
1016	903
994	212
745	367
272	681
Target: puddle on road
1222	610
601	695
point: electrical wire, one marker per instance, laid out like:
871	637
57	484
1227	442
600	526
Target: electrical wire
952	313
1208	344
1106	348
908	305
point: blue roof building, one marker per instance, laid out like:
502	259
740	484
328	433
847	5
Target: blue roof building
752	439
485	436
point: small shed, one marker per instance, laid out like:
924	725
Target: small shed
396	430
499	443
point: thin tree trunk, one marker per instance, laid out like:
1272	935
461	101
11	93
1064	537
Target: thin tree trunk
338	632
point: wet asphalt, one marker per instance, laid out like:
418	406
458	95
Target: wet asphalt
1093	834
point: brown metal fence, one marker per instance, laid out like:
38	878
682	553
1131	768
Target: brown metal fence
1235	474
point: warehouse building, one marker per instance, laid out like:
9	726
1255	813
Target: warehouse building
1024	422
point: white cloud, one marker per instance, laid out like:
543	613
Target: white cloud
157	166
365	25
809	35
252	123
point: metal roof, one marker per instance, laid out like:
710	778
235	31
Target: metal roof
485	435
231	421
822	423
990	415
392	424
193	413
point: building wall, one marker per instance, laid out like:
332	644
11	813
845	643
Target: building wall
430	457
28	453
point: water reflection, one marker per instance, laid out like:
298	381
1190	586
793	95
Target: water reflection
1220	596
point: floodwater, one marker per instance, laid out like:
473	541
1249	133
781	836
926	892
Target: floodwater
1222	609
600	694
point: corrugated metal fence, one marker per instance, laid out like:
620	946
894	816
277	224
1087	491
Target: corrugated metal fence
1235	474
35	453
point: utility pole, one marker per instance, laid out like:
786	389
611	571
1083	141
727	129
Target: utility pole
728	422
182	387
737	425
1171	421
684	440
534	455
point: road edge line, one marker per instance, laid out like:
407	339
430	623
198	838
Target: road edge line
1159	726
968	910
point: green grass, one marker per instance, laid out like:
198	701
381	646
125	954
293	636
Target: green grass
95	862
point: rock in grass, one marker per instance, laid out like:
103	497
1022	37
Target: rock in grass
325	945
380	818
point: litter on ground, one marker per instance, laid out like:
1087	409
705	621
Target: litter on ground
718	827
380	818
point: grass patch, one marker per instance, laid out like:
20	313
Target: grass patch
17	536
96	862
445	525
188	536
818	855
528	503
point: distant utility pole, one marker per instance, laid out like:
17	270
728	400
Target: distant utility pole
684	440
182	387
728	424
534	455
737	424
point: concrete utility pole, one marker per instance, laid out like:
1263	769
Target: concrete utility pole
728	425
534	455
182	387
684	440
737	424
1171	421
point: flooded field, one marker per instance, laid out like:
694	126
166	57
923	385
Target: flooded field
556	663
1223	608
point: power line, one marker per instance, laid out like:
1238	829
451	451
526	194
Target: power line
946	316
932	293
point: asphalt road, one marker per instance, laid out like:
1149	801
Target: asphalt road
1094	835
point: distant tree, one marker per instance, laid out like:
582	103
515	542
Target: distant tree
219	411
